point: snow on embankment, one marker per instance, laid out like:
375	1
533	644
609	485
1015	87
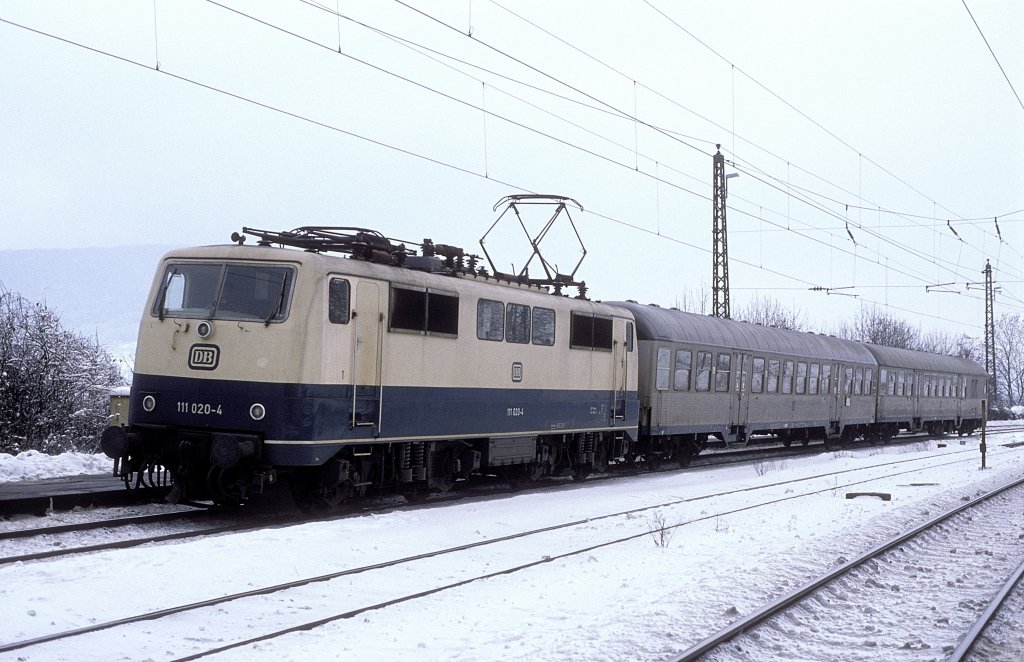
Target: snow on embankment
33	465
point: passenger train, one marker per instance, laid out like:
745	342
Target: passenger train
341	361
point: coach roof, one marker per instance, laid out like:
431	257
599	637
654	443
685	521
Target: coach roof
893	357
668	325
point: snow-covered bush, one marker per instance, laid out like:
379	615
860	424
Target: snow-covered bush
53	382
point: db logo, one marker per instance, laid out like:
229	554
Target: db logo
517	372
203	357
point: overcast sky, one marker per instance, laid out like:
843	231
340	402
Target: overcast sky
858	130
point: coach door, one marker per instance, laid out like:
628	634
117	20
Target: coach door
367	356
741	391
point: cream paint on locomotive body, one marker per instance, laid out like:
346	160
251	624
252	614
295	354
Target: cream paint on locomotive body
412	359
306	348
249	350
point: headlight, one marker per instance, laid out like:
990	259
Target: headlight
257	411
204	329
149	403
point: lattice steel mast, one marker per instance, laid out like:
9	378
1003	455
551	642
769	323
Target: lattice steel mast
990	333
719	241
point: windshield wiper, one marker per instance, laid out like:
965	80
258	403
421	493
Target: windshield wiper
163	292
280	301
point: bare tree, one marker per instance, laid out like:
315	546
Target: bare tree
695	300
1009	360
877	327
769	312
53	383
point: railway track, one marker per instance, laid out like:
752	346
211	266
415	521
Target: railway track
713	457
49	542
405	579
878	578
1005	612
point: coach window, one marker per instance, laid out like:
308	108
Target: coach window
517	323
787	377
490	320
826	379
664	366
801	378
681	379
338	301
858	382
424	311
722	372
868	373
589	332
926	387
543	326
703	371
812	382
900	377
757	376
773	376
883	376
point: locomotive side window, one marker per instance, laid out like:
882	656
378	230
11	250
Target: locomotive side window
244	292
428	312
812	384
757	376
543	326
722	373
773	376
661	376
629	336
588	332
681	380
517	323
338	301
490	320
703	371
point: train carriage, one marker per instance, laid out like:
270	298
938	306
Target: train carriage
347	373
706	376
923	391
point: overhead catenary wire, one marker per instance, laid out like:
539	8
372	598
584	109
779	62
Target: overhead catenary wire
353	134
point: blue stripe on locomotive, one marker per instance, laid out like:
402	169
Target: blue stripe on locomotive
312	412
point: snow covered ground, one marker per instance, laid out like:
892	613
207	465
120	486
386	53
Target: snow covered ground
33	465
644	599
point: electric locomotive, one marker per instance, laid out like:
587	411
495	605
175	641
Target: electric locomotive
341	360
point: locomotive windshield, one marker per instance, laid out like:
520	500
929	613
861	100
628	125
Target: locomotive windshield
211	290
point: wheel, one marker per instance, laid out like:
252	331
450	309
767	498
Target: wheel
653	461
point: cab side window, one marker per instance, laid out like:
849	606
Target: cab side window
338	292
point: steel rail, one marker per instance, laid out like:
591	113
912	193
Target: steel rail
777	606
972	636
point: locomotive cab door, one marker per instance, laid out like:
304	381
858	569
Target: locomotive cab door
620	373
367	386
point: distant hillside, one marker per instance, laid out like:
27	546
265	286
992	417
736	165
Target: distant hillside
98	292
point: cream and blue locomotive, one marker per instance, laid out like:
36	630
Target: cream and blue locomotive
339	360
